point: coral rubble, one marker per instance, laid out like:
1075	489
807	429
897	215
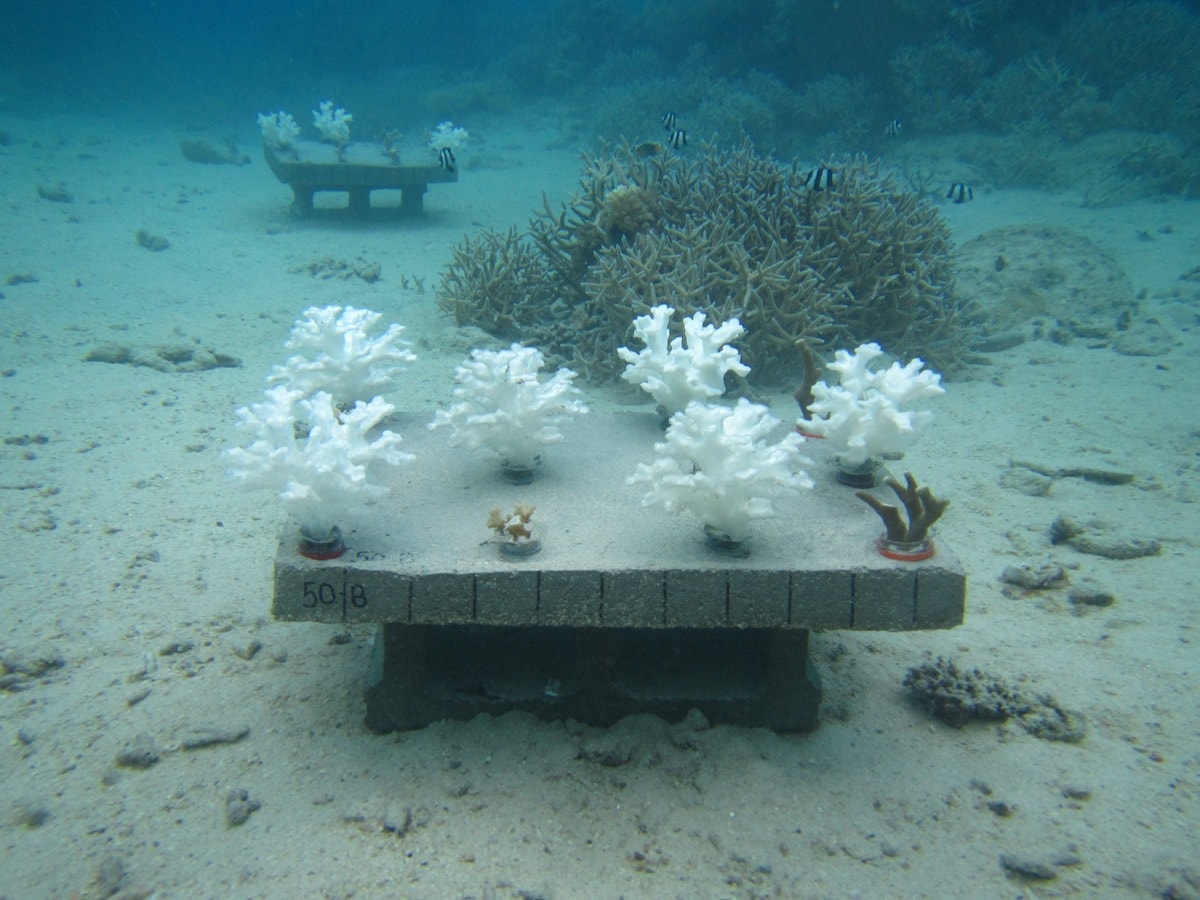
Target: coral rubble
956	697
730	233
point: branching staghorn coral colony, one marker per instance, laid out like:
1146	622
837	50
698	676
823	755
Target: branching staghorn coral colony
732	234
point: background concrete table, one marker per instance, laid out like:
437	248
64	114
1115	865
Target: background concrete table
625	608
315	166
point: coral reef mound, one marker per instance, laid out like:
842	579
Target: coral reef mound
726	232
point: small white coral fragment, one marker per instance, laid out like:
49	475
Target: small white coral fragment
320	476
504	405
340	355
863	415
716	463
676	371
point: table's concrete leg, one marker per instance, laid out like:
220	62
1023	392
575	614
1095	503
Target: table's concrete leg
793	688
597	655
752	677
302	201
360	201
412	199
395	695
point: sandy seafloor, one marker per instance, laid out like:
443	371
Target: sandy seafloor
123	537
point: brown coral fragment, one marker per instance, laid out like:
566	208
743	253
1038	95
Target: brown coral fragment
514	526
812	374
922	508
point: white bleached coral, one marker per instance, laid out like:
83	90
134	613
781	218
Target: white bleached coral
322	476
343	359
862	416
333	123
716	463
446	134
676	371
504	405
278	129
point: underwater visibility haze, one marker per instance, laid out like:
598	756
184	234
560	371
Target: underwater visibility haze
691	449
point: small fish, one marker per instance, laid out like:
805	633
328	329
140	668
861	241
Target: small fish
822	178
669	121
648	149
678	139
893	128
960	193
446	159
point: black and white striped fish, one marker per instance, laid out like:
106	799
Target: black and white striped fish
668	121
960	193
893	128
678	139
822	178
446	159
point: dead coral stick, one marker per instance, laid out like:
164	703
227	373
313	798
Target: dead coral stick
922	507
812	373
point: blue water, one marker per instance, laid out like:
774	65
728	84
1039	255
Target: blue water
212	57
136	585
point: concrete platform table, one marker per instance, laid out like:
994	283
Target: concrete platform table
624	609
314	166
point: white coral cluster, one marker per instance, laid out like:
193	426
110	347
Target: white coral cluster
340	355
716	462
279	129
677	371
333	123
504	405
446	134
863	415
312	440
322	475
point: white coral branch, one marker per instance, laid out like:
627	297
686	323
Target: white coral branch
676	371
333	123
863	415
341	357
716	463
504	406
323	475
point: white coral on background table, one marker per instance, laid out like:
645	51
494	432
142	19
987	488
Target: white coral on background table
323	475
447	134
716	462
333	123
504	405
279	129
341	357
863	416
676	371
